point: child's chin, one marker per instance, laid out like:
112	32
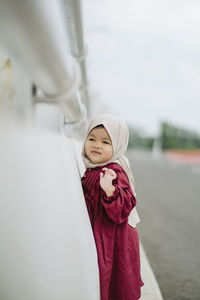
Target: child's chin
97	161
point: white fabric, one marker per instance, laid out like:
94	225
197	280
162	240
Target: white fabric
119	134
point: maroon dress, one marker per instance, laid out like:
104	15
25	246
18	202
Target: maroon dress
116	241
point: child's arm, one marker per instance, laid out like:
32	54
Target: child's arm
118	199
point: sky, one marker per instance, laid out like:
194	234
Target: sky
143	61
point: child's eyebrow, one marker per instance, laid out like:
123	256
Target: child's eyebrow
106	138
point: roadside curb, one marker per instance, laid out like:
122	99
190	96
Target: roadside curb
150	290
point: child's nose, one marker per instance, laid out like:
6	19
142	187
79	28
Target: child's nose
97	145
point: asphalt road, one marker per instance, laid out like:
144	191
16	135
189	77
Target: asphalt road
168	196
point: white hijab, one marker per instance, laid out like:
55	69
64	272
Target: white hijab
119	134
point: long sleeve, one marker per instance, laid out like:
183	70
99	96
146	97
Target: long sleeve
119	206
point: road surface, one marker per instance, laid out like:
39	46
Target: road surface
168	196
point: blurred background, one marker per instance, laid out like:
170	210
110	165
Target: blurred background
144	64
146	56
139	59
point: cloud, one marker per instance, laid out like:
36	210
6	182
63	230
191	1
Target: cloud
144	59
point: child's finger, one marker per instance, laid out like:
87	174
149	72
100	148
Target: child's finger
107	170
110	172
113	174
101	175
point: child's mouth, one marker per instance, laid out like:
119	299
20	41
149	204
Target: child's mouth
95	152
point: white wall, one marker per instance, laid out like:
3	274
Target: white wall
47	248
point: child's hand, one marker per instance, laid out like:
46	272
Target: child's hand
106	181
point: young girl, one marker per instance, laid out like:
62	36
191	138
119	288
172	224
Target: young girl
110	198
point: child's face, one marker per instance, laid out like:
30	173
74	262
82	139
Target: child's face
98	146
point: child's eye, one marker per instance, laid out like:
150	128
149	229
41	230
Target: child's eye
91	139
105	142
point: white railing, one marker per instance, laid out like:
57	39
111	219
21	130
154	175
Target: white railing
34	34
47	250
